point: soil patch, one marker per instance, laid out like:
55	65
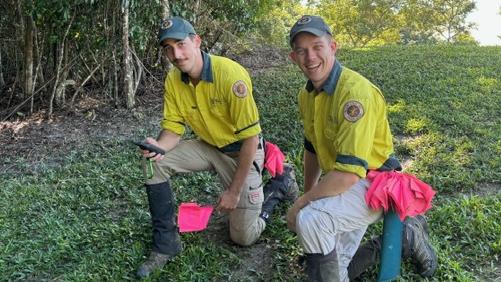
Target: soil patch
36	141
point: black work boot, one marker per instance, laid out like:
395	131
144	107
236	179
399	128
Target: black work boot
416	245
367	255
280	188
166	240
154	261
322	268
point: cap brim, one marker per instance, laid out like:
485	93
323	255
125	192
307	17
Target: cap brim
173	35
312	30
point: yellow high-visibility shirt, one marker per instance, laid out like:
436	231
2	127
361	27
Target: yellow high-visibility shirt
220	109
347	123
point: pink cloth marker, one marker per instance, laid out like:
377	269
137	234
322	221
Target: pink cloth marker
274	159
406	194
193	217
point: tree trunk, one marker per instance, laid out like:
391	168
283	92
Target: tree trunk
59	69
39	48
20	37
38	76
28	56
138	71
115	79
165	9
196	8
55	93
61	95
161	58
128	76
2	81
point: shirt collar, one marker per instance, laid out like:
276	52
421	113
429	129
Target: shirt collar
206	74
330	84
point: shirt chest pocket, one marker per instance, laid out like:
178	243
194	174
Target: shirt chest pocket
195	114
219	110
217	106
188	106
192	115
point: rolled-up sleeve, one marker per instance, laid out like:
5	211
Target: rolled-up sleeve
172	119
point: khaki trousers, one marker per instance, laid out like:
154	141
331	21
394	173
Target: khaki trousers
195	155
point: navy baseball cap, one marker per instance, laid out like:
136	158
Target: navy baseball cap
311	24
175	28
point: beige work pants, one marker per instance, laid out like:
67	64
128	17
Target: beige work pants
195	155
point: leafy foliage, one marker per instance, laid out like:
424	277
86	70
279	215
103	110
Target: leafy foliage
362	23
374	23
77	41
273	27
222	23
451	17
78	45
437	20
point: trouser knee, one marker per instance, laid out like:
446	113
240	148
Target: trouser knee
313	234
243	238
246	226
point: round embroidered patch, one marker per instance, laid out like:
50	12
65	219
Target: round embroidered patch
166	24
353	111
239	89
304	20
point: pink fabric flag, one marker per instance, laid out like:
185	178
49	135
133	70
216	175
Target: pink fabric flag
403	192
273	159
193	217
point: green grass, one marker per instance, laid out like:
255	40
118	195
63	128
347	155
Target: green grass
88	220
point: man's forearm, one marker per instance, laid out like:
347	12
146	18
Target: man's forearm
332	184
168	139
311	170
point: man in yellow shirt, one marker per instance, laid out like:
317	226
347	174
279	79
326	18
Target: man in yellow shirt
212	95
346	133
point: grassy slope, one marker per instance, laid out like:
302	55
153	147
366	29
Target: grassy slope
88	220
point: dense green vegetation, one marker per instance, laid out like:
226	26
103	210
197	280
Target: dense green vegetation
88	220
54	53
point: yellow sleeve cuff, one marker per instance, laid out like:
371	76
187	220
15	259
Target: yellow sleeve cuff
249	132
358	170
173	126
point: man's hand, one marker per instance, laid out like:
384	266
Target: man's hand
166	141
228	201
293	211
152	155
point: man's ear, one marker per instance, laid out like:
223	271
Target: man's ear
333	46
292	56
197	40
